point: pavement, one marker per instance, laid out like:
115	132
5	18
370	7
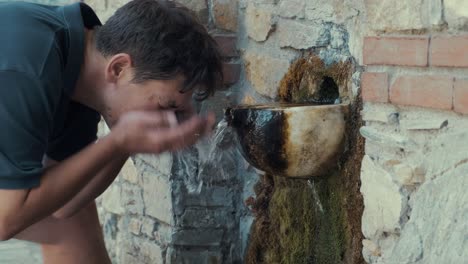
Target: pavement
19	252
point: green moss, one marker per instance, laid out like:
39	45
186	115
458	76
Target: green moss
290	226
301	231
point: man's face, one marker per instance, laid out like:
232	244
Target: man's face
151	95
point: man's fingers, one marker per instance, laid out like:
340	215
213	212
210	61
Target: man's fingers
180	136
210	121
160	119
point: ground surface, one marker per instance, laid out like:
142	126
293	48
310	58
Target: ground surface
19	252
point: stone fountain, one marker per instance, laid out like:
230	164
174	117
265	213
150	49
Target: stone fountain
298	141
301	202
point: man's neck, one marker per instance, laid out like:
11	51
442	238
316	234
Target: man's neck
89	87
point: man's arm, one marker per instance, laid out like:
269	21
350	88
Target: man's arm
93	189
138	132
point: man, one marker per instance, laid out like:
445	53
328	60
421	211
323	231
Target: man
59	71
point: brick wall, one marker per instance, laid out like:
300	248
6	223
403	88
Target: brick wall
414	82
435	87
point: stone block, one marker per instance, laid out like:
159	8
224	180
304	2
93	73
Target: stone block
259	22
386	138
131	199
412	15
265	72
148	227
163	233
410	247
319	10
128	258
225	13
434	123
370	249
149	252
292	8
198	237
227	44
157	195
135	226
129	172
437	229
213	196
115	4
231	72
456	14
378	112
383	202
301	35
97	5
268	2
111	200
206	218
199	7
161	163
338	38
109	223
187	256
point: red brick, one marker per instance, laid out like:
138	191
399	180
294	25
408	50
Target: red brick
231	72
449	51
374	87
403	51
227	44
460	96
426	91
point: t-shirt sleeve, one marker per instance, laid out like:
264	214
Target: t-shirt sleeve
80	130
25	116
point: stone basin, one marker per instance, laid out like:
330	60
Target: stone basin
298	141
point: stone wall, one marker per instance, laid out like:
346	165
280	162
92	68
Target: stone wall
414	172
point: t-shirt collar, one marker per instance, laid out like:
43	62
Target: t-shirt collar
75	54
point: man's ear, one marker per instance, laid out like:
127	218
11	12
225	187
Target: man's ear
118	68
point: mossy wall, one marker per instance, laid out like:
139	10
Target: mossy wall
316	220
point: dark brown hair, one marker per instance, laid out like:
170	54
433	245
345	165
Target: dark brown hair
164	39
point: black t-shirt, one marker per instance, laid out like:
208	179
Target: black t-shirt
41	54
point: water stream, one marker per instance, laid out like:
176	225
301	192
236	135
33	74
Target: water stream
212	160
318	203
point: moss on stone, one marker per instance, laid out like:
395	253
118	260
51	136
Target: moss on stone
309	80
299	229
291	226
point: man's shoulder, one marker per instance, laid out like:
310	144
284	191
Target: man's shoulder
33	33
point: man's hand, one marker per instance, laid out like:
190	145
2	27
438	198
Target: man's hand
137	132
139	129
156	132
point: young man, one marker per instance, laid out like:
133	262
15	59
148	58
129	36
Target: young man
59	71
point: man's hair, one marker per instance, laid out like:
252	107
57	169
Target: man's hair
164	39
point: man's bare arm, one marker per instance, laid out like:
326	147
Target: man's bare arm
94	188
139	132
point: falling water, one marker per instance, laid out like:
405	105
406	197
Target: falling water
318	204
211	160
